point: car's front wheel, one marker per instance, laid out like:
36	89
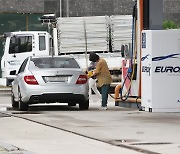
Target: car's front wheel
22	106
84	105
14	103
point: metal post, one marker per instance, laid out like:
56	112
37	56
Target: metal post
85	38
60	8
27	22
67	9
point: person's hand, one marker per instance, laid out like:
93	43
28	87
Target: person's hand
94	74
93	77
90	74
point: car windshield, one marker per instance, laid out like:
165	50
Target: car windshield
53	62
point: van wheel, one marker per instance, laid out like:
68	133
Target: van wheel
22	106
13	102
84	105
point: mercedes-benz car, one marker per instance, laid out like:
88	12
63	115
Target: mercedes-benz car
50	79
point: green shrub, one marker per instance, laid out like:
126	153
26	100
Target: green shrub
168	24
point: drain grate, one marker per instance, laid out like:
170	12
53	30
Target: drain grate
116	142
27	112
151	143
4	115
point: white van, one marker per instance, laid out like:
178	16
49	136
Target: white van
18	46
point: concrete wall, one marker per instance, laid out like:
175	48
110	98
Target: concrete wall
22	6
171	8
75	7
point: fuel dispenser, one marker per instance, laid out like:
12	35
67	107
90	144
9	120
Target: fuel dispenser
160	70
152	75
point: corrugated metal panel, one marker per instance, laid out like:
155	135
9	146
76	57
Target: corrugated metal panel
72	34
121	30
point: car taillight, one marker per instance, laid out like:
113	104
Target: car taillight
82	79
30	79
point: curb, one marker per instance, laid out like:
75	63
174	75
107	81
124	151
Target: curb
5	91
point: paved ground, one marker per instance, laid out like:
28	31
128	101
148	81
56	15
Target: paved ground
153	132
20	132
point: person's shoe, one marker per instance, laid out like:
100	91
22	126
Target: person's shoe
103	108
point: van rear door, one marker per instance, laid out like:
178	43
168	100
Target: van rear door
20	47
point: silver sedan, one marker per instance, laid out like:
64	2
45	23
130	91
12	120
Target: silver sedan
48	80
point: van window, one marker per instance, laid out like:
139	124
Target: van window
20	44
42	44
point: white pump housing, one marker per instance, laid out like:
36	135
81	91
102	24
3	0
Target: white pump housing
161	70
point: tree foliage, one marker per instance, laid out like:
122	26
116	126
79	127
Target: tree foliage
169	24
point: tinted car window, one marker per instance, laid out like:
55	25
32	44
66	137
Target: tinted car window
23	65
53	62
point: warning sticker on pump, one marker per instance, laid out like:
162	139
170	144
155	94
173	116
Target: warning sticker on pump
143	40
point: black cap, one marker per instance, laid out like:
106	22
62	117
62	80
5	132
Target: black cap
93	57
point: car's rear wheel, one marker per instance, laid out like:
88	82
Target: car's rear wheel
71	104
14	103
84	105
22	106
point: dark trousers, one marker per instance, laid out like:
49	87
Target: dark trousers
104	92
